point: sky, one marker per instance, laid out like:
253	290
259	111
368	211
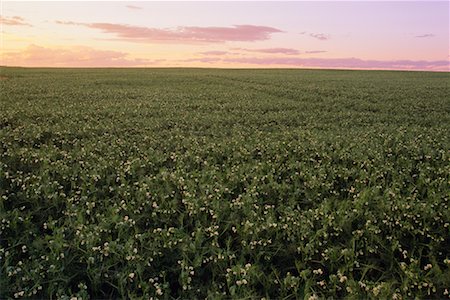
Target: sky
401	35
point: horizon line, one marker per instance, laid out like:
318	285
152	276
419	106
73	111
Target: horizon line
234	68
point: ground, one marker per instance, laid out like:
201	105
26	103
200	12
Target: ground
185	183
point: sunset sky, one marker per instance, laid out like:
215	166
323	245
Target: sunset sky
303	34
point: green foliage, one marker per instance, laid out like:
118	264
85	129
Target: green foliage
185	183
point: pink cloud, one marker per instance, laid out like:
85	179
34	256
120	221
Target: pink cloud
79	56
183	34
315	51
133	7
214	53
286	51
318	36
341	63
67	23
428	35
16	20
202	59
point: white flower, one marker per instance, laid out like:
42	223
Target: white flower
318	272
313	297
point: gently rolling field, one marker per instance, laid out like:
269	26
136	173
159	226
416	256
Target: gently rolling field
186	183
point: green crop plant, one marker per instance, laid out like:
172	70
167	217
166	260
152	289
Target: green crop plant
203	183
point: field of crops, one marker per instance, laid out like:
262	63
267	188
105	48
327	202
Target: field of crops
194	183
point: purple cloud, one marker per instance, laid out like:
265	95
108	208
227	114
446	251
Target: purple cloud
340	63
286	51
318	36
428	35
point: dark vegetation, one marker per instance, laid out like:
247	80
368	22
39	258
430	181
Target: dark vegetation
186	183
